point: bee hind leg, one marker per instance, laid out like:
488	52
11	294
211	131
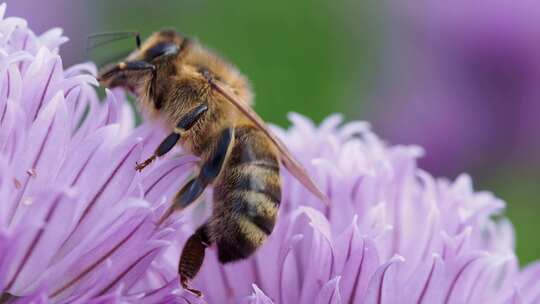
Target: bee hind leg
192	258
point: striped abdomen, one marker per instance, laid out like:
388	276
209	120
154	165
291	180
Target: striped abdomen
246	196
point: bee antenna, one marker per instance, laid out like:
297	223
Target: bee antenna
138	40
99	39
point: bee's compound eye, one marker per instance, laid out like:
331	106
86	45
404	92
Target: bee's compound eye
161	49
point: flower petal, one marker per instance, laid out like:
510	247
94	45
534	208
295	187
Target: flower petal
382	287
329	293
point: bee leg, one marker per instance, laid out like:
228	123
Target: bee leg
170	141
192	257
165	146
209	171
126	66
6	297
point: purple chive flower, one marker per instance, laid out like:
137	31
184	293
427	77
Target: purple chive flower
393	234
78	224
461	79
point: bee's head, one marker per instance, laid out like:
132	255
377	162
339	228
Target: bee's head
140	65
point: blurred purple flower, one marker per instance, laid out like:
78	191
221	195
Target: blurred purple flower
43	15
461	79
77	223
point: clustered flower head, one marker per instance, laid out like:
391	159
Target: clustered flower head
393	234
78	223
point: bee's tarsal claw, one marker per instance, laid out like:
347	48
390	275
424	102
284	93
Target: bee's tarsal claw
184	283
140	166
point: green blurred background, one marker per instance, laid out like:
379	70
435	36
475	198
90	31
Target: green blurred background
314	57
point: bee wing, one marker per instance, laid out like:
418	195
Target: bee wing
287	159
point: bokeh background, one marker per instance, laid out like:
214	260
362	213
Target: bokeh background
460	78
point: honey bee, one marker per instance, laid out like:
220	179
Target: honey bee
205	101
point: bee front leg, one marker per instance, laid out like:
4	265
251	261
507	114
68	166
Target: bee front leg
185	123
107	77
165	146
